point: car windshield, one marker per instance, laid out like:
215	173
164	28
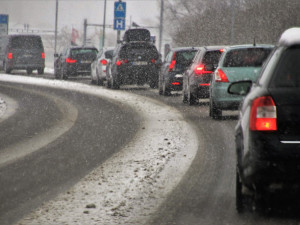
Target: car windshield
287	72
249	57
24	42
185	57
83	51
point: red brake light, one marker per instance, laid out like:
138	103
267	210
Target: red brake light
263	116
153	61
220	76
171	66
175	83
222	50
43	55
10	55
69	60
200	69
121	61
103	61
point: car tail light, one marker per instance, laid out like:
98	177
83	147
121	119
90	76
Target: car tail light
69	60
43	55
121	62
263	116
103	61
172	65
153	61
220	76
10	55
222	50
175	83
200	69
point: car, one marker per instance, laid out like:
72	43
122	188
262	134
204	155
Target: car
74	61
173	67
196	79
134	62
236	63
22	52
98	66
267	133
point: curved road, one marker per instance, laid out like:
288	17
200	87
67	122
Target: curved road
27	182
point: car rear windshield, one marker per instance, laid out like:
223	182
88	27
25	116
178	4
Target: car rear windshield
288	67
185	57
145	51
212	57
84	51
248	57
26	42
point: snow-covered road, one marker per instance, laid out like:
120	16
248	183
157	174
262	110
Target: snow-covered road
129	186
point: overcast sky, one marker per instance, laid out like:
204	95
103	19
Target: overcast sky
41	13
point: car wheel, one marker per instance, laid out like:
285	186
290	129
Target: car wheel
160	89
166	91
184	97
63	75
192	100
40	71
6	69
214	112
239	196
114	84
29	71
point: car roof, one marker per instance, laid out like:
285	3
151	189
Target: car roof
250	46
82	47
290	37
185	48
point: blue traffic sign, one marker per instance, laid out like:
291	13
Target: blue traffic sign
120	10
3	18
119	24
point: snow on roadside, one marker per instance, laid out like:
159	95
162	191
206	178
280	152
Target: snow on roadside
130	186
2	107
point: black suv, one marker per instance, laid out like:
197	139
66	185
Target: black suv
134	61
268	130
75	60
22	52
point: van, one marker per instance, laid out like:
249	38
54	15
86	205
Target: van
22	52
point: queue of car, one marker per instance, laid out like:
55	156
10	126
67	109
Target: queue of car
261	81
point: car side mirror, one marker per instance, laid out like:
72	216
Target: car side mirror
240	87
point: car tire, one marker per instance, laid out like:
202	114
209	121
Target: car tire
63	75
239	196
165	91
160	89
214	112
40	71
6	69
114	84
184	97
192	100
99	82
29	71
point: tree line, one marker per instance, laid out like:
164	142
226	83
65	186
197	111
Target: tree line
225	22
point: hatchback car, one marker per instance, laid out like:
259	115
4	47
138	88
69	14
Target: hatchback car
98	66
197	77
133	63
236	63
172	69
22	52
267	133
74	61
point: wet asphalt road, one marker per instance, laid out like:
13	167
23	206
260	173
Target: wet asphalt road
206	195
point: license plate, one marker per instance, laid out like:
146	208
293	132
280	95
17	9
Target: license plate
85	61
139	63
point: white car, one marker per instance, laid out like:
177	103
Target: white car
98	66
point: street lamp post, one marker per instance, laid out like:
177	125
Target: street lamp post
104	20
56	16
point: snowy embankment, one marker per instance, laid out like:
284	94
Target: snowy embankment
128	187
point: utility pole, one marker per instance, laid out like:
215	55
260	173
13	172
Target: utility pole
104	20
84	31
232	21
161	23
56	16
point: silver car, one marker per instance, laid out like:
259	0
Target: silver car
98	66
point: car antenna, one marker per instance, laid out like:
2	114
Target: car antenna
254	43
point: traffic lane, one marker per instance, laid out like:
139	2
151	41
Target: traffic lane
206	194
38	177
